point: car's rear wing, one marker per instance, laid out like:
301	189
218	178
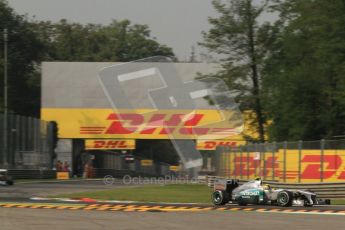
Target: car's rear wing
225	185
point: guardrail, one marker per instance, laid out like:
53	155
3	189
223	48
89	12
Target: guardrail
32	174
323	190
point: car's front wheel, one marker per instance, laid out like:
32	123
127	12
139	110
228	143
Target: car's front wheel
285	198
220	197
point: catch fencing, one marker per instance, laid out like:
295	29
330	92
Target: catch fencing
288	162
27	143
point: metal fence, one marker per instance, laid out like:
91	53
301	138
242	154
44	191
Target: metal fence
295	162
27	144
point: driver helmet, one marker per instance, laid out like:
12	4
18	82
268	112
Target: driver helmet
266	187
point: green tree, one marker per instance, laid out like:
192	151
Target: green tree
132	42
237	36
25	51
118	41
304	87
31	42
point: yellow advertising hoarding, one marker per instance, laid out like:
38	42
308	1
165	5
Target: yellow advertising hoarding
250	165
213	144
285	165
141	123
146	162
311	163
174	168
62	176
99	144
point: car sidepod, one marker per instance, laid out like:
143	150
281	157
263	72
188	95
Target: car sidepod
250	196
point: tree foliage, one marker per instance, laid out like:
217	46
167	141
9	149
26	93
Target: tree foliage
299	60
25	51
304	87
118	41
290	72
238	37
32	41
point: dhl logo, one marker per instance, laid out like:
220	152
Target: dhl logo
248	166
333	167
109	144
158	124
143	123
213	144
330	166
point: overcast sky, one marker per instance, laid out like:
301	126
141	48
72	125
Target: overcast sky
176	23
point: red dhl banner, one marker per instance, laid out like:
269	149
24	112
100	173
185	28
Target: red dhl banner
109	144
141	123
271	166
213	144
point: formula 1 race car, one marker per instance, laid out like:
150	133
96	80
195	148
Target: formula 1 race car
254	192
5	179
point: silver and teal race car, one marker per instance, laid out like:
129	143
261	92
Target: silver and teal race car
254	192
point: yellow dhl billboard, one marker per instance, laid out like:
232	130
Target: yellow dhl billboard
213	144
284	165
310	163
174	168
62	176
103	144
146	162
142	123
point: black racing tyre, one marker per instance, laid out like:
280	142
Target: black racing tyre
9	182
285	198
220	197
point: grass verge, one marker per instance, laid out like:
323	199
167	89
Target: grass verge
179	193
338	201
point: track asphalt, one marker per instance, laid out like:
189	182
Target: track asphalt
19	211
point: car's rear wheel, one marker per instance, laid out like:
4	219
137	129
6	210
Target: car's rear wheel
285	198
220	197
